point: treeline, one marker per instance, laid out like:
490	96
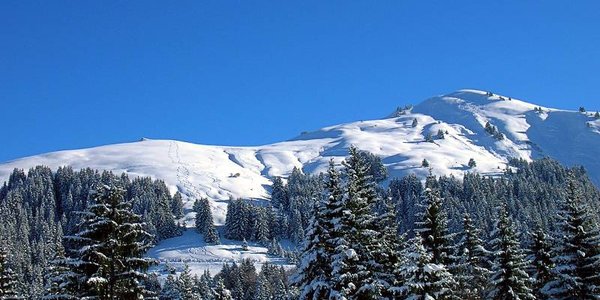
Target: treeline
354	248
37	210
531	191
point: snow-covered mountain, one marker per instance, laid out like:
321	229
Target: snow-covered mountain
220	173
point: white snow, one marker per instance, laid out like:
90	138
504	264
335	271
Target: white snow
191	249
220	173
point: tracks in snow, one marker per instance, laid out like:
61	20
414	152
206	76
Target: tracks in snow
183	175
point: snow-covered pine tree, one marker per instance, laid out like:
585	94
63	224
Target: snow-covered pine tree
236	220
433	228
170	291
424	279
109	248
221	292
7	278
185	284
388	254
541	262
577	254
471	268
177	205
58	277
314	269
356	237
509	278
262	231
204	221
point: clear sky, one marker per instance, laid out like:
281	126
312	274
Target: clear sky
77	74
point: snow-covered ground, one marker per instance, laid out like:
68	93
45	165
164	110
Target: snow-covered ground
220	173
190	249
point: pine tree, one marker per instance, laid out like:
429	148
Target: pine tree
312	275
222	293
388	254
109	249
185	284
472	267
204	286
170	290
7	278
204	221
423	279
472	163
177	205
541	260
577	255
356	237
58	277
597	115
425	163
509	279
433	228
244	245
414	123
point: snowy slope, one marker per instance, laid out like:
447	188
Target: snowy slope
220	173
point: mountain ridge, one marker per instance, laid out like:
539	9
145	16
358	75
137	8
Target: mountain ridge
222	172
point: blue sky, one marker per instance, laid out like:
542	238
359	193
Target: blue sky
76	74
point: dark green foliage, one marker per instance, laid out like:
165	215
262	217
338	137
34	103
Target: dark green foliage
106	254
177	205
493	131
582	109
204	221
415	123
425	163
376	169
509	278
471	268
433	228
577	254
541	262
7	278
472	163
440	135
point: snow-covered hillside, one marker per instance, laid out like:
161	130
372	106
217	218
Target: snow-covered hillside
220	173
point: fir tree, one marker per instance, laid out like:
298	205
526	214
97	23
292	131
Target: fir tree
388	254
577	255
414	123
170	290
312	275
472	163
7	278
221	292
509	279
185	284
357	238
177	205
597	115
425	163
472	267
541	261
204	221
111	245
423	279
58	277
433	228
